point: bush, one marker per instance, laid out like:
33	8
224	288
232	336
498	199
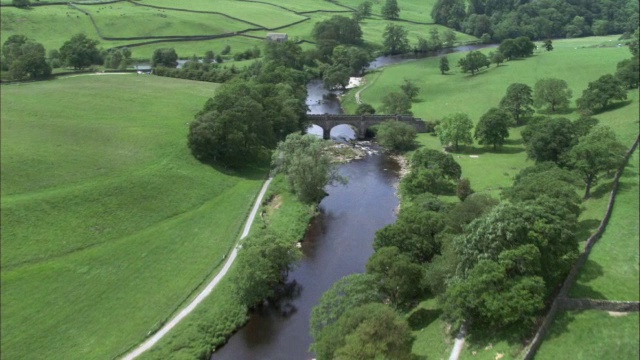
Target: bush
396	135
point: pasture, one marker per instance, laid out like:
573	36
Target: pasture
161	21
441	95
592	335
109	223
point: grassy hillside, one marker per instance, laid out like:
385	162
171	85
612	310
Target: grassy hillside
53	25
108	221
592	335
441	95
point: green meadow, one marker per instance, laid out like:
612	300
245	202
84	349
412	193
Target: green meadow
109	223
592	335
490	171
611	272
55	24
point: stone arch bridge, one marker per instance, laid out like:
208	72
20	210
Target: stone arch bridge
362	123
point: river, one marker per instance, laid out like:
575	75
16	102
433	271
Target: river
338	241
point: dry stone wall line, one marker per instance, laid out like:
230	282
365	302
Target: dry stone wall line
562	299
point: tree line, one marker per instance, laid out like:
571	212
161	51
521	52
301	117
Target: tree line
495	20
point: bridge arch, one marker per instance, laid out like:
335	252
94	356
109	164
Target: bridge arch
361	123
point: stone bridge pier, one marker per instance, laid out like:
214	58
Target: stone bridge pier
361	123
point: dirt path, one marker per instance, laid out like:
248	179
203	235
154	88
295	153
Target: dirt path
458	344
206	291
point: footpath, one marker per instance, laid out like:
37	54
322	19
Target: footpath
206	291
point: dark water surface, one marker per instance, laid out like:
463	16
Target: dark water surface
338	243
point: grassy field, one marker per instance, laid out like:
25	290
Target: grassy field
219	315
592	335
53	25
109	224
474	95
611	271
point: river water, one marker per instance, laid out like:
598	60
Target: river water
338	241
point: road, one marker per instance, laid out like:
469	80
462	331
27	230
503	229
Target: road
206	291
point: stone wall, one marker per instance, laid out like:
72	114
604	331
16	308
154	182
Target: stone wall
562	302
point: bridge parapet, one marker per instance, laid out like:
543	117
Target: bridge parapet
362	122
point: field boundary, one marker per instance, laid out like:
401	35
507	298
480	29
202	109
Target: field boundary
561	298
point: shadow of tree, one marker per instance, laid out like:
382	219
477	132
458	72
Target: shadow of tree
515	337
561	323
614	106
586	228
581	289
422	318
472	150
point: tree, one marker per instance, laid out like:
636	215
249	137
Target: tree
396	103
117	58
517	48
80	52
434	39
287	53
634	44
345	294
548	45
546	179
390	10
543	223
518	101
226	50
396	135
472	207
209	57
437	160
263	263
450	37
336	76
395	39
493	127
398	278
166	57
338	30
597	152
415	233
422	46
492	296
450	13
307	166
431	171
628	72
354	58
551	92
410	89
370	331
362	11
496	57
549	139
246	118
599	93
463	189
444	65
456	129
365	109
24	59
473	62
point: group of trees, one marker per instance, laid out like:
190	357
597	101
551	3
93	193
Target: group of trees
509	49
249	115
24	58
499	20
492	129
